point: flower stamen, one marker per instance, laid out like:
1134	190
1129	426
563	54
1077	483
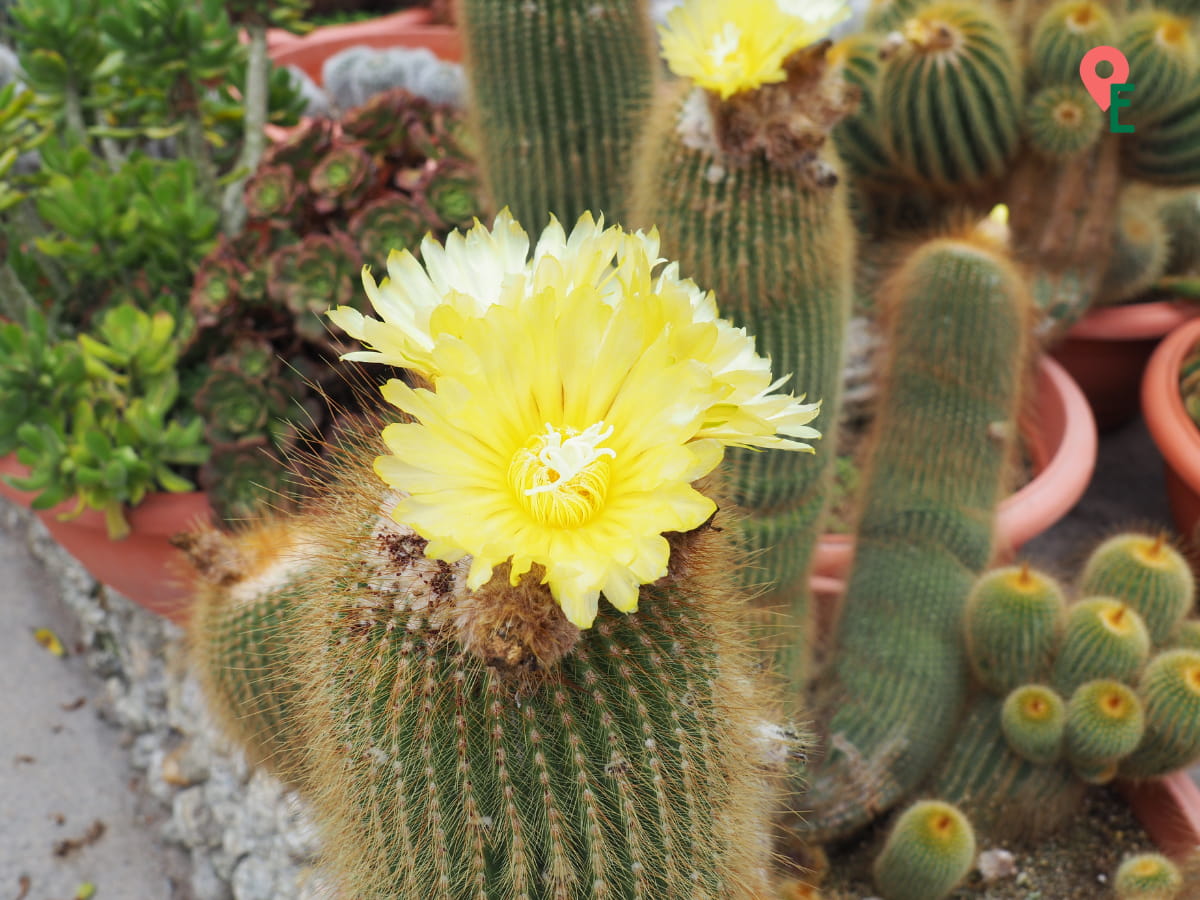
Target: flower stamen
562	475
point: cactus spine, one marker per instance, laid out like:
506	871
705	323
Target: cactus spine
1148	574
1170	691
558	87
1014	618
768	229
940	454
928	853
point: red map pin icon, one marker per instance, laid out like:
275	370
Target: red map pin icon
1097	86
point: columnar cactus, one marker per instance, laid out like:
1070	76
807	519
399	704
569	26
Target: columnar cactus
941	450
742	183
558	87
475	721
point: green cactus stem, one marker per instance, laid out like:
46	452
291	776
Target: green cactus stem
1014	620
1063	36
950	95
928	853
1148	876
1148	574
1162	56
1140	250
1104	638
1170	692
1061	121
1181	214
558	88
1167	152
767	227
1105	722
1033	719
941	449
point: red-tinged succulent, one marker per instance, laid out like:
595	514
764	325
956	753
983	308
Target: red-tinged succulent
342	178
272	194
304	143
391	222
452	191
319	273
215	289
386	123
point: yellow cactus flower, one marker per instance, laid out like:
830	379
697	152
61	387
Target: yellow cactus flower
730	46
576	398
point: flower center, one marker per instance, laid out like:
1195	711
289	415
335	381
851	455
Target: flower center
561	476
724	44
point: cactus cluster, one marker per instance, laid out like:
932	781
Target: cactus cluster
1114	689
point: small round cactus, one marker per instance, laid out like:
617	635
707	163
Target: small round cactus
1062	121
1147	876
1105	722
1033	720
859	143
950	92
1170	692
1148	574
1063	35
1014	619
929	851
1181	215
1140	249
1104	638
1162	55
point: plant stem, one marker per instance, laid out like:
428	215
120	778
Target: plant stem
254	139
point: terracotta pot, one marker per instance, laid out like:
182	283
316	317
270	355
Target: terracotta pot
1169	809
1107	351
410	28
1060	434
10	466
144	566
1172	429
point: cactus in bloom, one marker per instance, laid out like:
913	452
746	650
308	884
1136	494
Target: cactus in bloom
1147	876
1105	722
522	660
558	88
964	133
1033	719
1103	638
929	851
941	449
740	178
1170	692
1014	619
1148	574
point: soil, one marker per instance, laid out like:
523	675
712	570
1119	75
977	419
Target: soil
1076	864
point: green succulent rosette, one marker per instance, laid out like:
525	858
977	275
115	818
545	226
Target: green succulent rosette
215	288
238	409
245	482
320	272
342	178
390	222
272	194
452	191
385	124
303	145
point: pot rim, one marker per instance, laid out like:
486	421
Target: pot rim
1133	321
1175	434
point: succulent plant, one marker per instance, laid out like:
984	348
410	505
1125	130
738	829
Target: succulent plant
387	224
272	193
341	178
452	191
309	277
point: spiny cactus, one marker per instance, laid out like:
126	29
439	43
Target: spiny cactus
1186	636
1063	36
1014	619
1147	573
929	851
1162	56
1033	719
1140	249
1168	153
1170	692
1104	723
747	194
965	131
1147	876
476	721
558	87
1103	638
1181	215
940	453
1061	121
